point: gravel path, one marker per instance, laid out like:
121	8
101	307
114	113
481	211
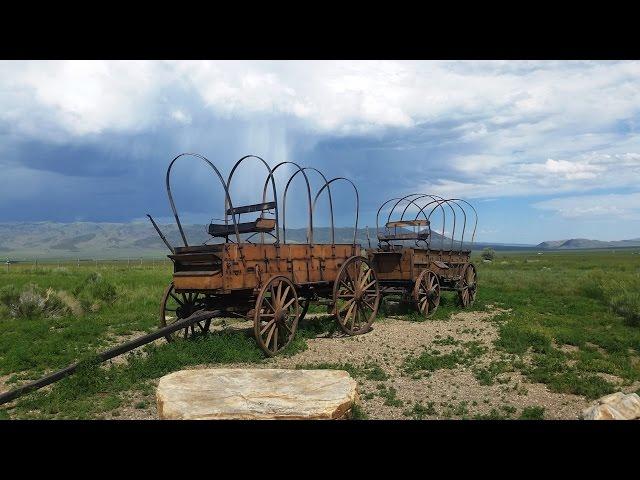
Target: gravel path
444	393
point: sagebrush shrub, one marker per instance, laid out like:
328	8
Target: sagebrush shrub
95	288
595	286
627	305
34	302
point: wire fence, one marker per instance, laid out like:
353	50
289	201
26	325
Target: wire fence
22	264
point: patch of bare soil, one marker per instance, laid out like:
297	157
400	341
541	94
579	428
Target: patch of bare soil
445	393
454	392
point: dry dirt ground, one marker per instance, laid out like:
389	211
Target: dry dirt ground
444	393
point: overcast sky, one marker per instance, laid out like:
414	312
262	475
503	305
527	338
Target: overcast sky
544	150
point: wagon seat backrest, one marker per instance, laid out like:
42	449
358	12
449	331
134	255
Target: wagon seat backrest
259	225
391	230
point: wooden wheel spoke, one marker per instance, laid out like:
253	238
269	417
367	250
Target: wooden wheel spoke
273	295
347	304
356	318
269	323
364	276
288	304
275	339
369	285
349	312
271	330
176	299
368	304
266	300
349	287
354	315
287	327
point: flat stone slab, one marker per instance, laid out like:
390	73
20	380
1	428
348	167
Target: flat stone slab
255	394
616	406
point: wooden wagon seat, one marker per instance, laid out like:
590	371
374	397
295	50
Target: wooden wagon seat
421	235
259	225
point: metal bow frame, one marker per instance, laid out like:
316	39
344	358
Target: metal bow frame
279	214
437	202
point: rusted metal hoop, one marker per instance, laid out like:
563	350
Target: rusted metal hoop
327	185
284	201
275	195
435	198
173	206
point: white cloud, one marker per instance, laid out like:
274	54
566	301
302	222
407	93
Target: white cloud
499	176
621	206
335	96
534	127
181	117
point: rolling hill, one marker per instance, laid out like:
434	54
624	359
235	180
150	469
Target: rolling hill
122	240
575	243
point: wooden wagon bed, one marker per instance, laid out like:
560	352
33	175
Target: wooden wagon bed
227	267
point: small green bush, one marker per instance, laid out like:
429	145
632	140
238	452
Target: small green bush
532	413
488	254
627	305
595	286
93	291
9	295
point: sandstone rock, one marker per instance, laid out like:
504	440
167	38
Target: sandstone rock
629	406
612	398
602	412
616	406
252	394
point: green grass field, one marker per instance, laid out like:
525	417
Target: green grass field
574	325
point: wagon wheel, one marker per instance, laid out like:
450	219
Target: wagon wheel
176	306
356	296
468	285
426	293
276	315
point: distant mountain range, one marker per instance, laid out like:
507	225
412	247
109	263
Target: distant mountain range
121	240
574	243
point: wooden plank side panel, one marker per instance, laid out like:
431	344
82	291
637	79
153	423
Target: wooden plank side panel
392	266
301	263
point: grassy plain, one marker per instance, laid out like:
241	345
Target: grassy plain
572	325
